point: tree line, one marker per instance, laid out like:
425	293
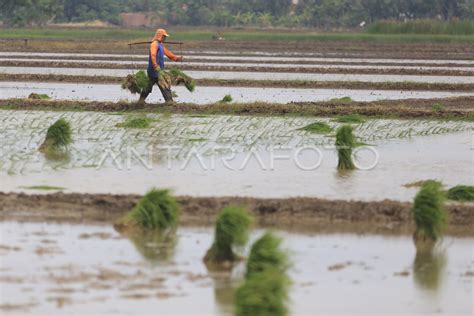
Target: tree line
261	13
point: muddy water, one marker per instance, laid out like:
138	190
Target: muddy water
246	75
144	63
245	156
255	57
71	269
205	95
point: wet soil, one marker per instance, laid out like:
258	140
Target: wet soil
243	68
453	108
293	213
404	86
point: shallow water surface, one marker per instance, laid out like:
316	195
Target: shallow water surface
63	269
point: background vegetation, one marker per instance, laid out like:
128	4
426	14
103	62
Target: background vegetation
324	14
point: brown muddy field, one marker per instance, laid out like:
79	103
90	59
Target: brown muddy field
243	68
313	214
324	48
453	108
405	86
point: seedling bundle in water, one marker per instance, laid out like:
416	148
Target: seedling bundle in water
429	213
345	143
265	291
157	210
58	136
232	230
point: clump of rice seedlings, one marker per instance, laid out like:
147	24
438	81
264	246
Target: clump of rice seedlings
429	214
350	119
345	143
44	188
318	128
136	122
263	294
157	210
232	230
136	83
419	184
461	193
177	77
438	107
227	99
266	253
58	136
342	100
36	96
428	269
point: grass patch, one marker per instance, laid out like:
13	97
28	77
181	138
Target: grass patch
266	254
429	212
461	193
350	119
438	107
157	210
264	294
136	83
232	230
136	122
345	143
342	100
318	128
226	99
423	26
58	136
44	188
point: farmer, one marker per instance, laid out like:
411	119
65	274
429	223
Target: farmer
156	61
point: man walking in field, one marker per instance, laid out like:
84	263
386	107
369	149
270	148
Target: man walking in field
156	62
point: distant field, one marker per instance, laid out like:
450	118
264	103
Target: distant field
231	35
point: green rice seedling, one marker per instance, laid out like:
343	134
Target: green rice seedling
136	83
136	122
342	100
461	193
429	213
36	96
227	99
438	107
44	188
263	294
232	230
350	119
157	210
345	143
318	128
419	184
266	253
58	136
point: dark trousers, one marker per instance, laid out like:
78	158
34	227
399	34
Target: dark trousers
166	92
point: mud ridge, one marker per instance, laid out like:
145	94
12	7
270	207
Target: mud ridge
297	213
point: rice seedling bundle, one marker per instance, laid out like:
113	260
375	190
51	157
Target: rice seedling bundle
345	143
58	136
461	193
136	83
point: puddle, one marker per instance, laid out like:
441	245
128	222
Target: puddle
43	273
245	75
254	57
205	95
247	156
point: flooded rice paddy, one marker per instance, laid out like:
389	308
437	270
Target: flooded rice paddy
59	269
206	95
233	155
245	75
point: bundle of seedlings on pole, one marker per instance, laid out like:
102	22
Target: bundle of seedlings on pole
58	137
429	214
232	230
461	193
157	210
266	286
136	83
176	76
345	144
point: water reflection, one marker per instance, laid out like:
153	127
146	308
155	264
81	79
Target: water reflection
156	247
428	268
